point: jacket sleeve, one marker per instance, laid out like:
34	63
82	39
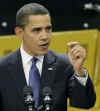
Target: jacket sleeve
82	96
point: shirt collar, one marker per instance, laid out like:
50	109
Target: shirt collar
27	58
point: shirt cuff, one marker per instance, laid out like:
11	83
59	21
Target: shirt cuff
82	80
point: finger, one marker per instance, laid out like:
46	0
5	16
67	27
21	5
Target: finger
75	53
75	49
78	48
78	53
70	45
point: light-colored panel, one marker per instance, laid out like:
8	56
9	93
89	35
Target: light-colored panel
88	38
8	44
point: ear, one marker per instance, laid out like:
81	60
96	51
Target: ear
19	32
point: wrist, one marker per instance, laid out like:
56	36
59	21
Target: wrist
81	72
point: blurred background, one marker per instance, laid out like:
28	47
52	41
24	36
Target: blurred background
73	20
66	14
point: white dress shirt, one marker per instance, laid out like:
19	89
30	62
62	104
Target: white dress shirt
27	62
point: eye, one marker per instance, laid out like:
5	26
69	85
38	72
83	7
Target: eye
37	29
48	28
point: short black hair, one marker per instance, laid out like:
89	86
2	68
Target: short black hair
27	10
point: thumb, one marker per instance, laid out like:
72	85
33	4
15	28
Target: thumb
70	45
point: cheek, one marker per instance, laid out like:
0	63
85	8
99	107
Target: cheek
31	38
33	41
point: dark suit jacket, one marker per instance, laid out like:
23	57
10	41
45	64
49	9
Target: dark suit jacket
60	79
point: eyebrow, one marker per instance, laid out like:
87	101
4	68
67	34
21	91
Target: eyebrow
40	28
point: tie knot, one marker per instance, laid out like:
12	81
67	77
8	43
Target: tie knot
34	60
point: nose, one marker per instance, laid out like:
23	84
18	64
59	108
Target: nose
44	35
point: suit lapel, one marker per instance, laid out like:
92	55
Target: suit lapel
17	73
48	73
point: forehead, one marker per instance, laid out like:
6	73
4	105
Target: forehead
39	20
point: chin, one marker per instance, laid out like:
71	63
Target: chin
43	52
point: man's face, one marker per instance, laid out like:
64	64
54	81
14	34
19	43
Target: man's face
36	35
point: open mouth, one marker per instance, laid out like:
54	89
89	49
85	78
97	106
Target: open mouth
44	45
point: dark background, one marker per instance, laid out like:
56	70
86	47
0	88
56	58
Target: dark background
66	14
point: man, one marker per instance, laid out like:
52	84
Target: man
64	74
